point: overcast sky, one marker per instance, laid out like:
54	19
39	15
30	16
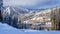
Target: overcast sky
35	4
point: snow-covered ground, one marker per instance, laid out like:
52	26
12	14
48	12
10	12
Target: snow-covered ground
6	29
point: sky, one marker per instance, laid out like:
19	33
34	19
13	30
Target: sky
32	4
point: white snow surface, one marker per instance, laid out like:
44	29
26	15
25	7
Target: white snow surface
6	29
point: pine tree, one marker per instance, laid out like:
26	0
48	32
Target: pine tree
55	18
1	5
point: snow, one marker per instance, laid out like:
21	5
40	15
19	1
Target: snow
6	29
8	10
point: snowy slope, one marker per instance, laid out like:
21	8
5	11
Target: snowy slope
6	29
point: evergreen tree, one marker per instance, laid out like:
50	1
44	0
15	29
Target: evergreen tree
1	5
55	18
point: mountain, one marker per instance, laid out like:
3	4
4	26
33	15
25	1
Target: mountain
22	18
16	10
38	15
40	19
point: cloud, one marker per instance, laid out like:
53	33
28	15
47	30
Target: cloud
32	3
23	2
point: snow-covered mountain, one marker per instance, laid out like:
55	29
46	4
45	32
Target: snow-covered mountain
21	17
16	10
41	18
38	15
